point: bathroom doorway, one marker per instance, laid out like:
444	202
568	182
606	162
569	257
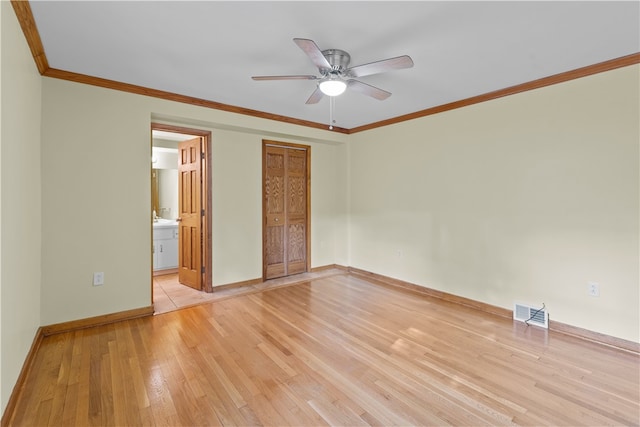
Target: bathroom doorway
182	241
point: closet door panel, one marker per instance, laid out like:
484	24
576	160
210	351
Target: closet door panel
296	211
274	210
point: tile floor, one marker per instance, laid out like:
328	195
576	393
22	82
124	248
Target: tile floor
170	295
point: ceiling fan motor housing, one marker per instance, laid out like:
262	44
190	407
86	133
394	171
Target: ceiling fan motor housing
339	60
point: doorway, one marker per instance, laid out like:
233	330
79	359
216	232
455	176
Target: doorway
190	214
286	197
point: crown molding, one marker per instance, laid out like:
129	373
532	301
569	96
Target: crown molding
169	96
24	14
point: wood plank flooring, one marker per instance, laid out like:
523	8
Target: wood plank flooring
335	350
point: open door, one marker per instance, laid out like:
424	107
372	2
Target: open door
190	212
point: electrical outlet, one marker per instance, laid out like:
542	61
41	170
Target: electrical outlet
593	289
98	278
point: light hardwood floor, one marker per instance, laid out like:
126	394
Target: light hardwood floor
336	350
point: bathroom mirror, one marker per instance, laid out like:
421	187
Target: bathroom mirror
166	202
164	181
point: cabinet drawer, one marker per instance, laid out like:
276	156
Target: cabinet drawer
164	233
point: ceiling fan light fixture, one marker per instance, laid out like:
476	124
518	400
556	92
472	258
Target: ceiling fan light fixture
332	87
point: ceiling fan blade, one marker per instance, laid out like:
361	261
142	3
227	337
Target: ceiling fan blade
368	90
396	63
315	96
313	52
297	77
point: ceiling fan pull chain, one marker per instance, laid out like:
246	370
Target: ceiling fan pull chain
332	100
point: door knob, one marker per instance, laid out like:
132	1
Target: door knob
178	219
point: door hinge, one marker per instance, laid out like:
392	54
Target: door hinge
202	155
202	270
202	212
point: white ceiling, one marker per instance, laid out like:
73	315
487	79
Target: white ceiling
210	49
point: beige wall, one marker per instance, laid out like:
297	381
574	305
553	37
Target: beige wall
87	130
525	198
20	210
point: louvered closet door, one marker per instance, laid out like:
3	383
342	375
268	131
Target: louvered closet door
285	211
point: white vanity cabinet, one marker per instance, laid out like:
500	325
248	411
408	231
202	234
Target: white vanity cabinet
165	246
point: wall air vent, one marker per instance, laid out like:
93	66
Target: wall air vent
531	315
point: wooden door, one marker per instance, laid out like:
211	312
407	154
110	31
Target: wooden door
296	208
285	207
190	215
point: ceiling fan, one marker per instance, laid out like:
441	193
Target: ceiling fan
336	75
